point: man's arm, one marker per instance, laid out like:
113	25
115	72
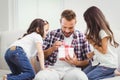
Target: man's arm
48	52
54	47
81	63
76	62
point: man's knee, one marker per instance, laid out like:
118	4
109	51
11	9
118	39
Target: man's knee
75	75
46	75
40	76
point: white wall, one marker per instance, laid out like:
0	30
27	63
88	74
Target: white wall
110	8
18	14
4	15
51	11
45	9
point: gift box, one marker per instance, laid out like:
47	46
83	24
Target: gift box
65	50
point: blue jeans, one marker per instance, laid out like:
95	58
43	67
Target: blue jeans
98	72
19	65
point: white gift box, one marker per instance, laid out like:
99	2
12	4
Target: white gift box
71	52
64	51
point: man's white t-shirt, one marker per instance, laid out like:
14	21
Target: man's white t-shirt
28	43
109	59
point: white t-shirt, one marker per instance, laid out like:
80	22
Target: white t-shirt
94	61
28	43
109	59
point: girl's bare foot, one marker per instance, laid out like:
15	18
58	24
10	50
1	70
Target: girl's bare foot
117	73
5	77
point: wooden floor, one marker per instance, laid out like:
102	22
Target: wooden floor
113	78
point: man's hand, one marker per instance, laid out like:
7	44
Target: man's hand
56	45
90	55
68	59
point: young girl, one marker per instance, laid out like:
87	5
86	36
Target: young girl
100	36
19	53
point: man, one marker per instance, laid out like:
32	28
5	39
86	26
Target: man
59	67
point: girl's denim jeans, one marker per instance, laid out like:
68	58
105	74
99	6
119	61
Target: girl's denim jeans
98	72
19	65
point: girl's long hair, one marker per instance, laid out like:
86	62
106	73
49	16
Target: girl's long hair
37	23
96	21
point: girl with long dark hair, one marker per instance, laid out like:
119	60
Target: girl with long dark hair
103	59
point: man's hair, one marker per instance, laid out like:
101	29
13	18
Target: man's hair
68	14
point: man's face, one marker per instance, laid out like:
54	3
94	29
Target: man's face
67	26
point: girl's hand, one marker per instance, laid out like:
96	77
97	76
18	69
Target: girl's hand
117	73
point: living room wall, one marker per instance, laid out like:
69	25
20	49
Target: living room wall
4	15
18	14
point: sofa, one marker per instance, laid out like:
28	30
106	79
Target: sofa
7	37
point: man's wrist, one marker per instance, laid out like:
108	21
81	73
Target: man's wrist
52	49
76	63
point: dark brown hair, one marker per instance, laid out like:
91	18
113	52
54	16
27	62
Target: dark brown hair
36	23
68	15
96	21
